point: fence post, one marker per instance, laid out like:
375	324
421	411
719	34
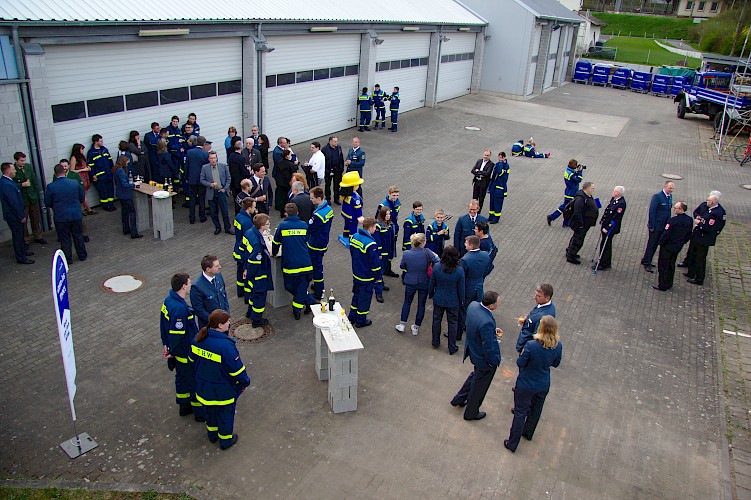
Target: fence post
648	54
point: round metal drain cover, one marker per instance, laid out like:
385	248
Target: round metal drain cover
475	129
244	332
672	177
746	186
122	283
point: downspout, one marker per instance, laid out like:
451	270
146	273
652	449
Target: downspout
437	68
259	83
29	121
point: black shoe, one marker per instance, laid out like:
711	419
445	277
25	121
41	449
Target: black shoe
126	232
199	419
480	415
363	325
41	241
25	261
649	268
296	313
367	129
460	404
386	288
451	353
361	130
548	219
528	438
505	445
573	261
379	298
136	236
694	281
229	231
257	324
192	221
203	220
492	222
681	264
29	253
213	439
232	442
86	239
307	309
660	289
185	410
687	275
391	274
217	231
338	202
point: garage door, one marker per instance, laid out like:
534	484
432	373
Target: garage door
534	60
403	62
311	85
555	39
113	88
455	71
566	52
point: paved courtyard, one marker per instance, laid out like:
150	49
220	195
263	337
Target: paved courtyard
634	409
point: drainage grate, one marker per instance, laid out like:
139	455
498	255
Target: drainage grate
243	331
122	283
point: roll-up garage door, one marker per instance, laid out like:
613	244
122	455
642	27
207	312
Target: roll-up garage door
402	61
534	60
555	38
311	85
455	71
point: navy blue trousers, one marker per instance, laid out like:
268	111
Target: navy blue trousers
527	411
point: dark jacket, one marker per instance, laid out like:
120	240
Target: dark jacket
237	169
207	298
677	232
480	174
165	167
12	200
415	261
123	188
285	169
465	227
252	157
711	225
64	196
585	211
613	215
529	328
220	373
481	344
476	265
447	289
534	366
334	158
195	159
304	206
659	211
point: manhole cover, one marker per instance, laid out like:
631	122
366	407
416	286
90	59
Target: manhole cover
746	186
472	128
572	121
672	177
653	122
244	332
122	283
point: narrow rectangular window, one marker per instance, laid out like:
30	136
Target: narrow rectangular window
337	72
142	100
285	79
304	76
203	91
444	59
423	61
105	106
714	6
270	81
383	66
68	111
414	62
230	87
352	70
701	6
169	96
321	74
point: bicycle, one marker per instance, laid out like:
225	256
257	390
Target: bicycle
742	153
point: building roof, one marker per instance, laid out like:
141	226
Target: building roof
549	9
97	11
587	16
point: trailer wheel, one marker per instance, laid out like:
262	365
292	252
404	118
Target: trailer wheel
681	110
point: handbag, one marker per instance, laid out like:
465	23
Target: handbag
430	264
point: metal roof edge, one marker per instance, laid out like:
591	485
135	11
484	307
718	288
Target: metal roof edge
472	11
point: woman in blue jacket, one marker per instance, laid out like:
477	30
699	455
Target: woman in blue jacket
416	262
446	288
165	167
124	192
384	236
220	377
533	382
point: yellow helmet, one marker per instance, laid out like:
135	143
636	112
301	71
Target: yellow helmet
351	179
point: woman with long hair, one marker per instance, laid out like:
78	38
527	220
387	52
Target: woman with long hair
285	169
417	263
263	147
80	165
220	377
533	383
137	153
384	237
164	162
446	288
124	191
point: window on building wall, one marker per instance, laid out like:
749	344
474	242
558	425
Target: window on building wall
270	81
689	5
702	5
423	61
203	91
230	87
169	96
105	106
383	66
405	63
352	70
142	100
68	111
285	79
414	62
304	76
444	59
321	74
714	6
337	72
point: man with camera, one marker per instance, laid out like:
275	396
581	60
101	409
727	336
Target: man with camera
571	177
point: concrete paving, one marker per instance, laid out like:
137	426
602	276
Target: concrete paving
634	409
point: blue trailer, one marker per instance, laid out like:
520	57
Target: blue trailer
582	72
677	86
601	74
641	82
621	78
661	85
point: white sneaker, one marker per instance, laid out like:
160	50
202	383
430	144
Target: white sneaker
415	329
400	328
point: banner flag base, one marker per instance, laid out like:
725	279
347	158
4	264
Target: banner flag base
78	445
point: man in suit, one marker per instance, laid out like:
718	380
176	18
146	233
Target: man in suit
301	198
208	292
465	225
484	353
216	179
30	186
529	323
195	159
334	156
13	212
260	189
676	233
475	264
64	196
611	225
702	208
481	177
250	152
659	213
709	225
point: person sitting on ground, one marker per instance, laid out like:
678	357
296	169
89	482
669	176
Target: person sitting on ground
518	148
529	150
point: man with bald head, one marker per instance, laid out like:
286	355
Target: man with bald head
709	225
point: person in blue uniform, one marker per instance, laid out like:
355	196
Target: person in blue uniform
13	212
698	211
498	188
100	163
465	225
446	288
355	160
610	225
364	104
351	205
659	212
378	97
150	140
482	231
292	237
64	196
531	322
676	234
193	123
518	148
220	378
124	186
195	159
208	293
243	222
394	108
319	229
572	176
413	224
366	269
709	225
165	167
437	233
533	382
257	277
484	352
394	206
476	264
175	145
530	152
178	328
384	237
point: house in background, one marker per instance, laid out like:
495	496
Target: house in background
589	31
699	8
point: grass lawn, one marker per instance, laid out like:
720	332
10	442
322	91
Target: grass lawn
637	25
646	51
8	493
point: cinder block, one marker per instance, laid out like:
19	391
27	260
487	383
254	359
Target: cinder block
344	406
346	380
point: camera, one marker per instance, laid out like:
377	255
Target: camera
583	167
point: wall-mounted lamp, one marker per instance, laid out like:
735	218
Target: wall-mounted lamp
411	28
486	37
555	26
374	36
444	38
464	29
264	47
319	29
164	32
